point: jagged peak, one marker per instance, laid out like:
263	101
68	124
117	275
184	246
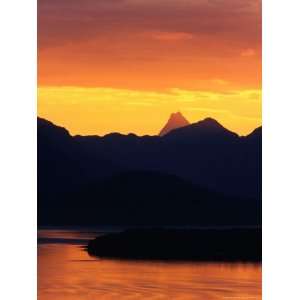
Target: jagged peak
177	114
176	120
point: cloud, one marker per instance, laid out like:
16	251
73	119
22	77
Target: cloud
149	44
63	21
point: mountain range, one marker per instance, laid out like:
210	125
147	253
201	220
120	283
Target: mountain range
190	174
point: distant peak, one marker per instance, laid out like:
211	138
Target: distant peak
177	114
176	120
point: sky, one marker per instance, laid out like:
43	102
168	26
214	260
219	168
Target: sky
126	65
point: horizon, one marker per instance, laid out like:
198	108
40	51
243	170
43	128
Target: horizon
104	110
157	134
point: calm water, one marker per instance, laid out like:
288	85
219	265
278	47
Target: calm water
66	272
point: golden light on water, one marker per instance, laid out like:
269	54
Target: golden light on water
67	272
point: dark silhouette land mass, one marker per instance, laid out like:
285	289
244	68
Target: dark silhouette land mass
199	174
180	244
148	199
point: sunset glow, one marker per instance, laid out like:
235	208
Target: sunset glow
125	65
102	110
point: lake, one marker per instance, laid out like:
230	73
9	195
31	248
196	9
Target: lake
67	272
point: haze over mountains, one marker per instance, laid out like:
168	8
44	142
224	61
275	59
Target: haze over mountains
175	121
195	174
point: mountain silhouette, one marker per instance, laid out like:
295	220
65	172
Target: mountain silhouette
176	120
145	198
117	178
204	129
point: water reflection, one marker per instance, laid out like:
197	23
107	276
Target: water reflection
66	272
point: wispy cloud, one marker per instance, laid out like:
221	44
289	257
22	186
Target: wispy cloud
63	21
149	44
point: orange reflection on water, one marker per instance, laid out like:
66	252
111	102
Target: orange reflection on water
67	272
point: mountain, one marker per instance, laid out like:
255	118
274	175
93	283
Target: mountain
144	198
203	130
202	156
62	164
176	120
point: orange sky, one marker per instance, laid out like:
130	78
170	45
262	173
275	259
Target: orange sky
125	65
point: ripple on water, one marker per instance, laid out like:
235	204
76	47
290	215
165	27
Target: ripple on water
66	272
